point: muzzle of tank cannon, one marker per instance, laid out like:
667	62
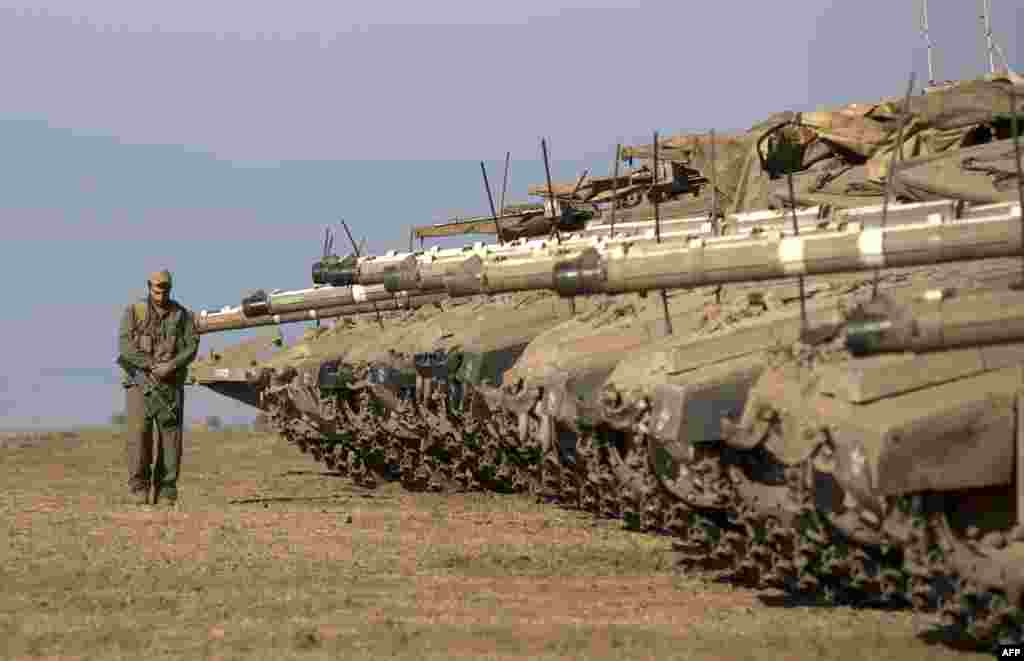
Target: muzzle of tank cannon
256	304
942	320
336	271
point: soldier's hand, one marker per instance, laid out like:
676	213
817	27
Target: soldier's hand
161	370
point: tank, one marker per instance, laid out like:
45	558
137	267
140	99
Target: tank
902	438
849	434
399	403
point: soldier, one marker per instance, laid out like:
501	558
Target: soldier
157	341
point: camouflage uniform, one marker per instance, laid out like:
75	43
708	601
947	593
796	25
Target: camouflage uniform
148	336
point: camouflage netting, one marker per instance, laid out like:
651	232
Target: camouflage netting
841	157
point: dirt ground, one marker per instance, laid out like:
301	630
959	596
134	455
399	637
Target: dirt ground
269	557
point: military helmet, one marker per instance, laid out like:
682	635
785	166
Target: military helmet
161	276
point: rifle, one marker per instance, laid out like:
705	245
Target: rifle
150	387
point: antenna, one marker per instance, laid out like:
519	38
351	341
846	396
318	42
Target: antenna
490	200
328	241
657	233
991	44
615	185
1015	128
504	184
551	191
579	181
328	244
986	25
551	196
344	226
653	193
714	204
796	233
927	40
897	150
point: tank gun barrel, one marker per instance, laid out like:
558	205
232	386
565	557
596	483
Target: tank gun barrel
432	269
261	303
856	243
369	270
940	321
424	269
235	318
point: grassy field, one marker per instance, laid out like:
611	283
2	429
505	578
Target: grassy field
269	557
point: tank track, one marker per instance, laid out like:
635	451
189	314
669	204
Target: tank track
739	515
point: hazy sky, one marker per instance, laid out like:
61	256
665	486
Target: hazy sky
218	138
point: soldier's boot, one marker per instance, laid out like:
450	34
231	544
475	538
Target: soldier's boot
167	495
138	494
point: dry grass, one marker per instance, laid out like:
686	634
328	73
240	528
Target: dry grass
267	557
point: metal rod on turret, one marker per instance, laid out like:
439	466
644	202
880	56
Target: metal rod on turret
615	185
490	200
579	182
351	240
714	184
928	41
504	184
551	189
554	217
1020	447
328	243
657	233
653	193
714	204
551	196
897	150
986	24
1015	128
796	232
